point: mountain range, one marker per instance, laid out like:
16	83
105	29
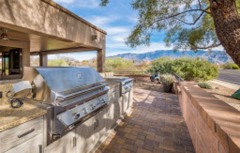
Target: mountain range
213	56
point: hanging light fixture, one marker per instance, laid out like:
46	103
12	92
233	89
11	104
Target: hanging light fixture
4	35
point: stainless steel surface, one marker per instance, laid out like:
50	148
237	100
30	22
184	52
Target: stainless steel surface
69	94
54	85
126	84
20	89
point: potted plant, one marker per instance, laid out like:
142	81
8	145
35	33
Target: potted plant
167	81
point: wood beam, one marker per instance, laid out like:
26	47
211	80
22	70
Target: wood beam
101	60
43	60
68	50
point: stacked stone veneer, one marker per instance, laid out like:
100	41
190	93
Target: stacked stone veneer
213	125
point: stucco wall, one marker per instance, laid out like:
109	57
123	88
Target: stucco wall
42	17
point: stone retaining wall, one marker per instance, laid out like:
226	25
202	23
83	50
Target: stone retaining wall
214	126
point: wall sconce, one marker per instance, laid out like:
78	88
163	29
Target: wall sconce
94	37
4	35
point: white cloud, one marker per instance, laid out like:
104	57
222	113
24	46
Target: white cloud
219	48
118	48
102	21
78	55
116	30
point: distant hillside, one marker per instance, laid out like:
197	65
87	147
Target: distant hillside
212	56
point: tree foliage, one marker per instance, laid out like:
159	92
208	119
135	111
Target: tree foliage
187	68
188	23
231	66
118	64
57	62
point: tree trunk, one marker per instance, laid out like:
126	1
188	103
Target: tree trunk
227	24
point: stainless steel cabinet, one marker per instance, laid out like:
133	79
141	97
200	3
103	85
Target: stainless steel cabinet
127	101
90	132
114	110
66	144
83	133
33	145
26	135
110	120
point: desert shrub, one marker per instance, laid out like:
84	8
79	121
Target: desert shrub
231	66
187	68
205	85
57	62
118	64
167	79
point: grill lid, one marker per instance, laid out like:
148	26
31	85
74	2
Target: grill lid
66	78
54	84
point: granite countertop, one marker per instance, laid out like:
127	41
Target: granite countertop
10	117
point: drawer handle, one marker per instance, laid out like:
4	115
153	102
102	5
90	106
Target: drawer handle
26	133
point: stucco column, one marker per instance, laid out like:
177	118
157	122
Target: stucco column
101	60
43	59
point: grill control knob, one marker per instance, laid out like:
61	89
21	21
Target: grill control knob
84	111
92	107
76	116
103	100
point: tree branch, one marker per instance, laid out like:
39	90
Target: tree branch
199	4
191	23
194	47
187	11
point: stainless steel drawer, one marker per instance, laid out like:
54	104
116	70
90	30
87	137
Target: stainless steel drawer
17	135
33	145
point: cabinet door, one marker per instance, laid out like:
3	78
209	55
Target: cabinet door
33	145
131	98
20	134
90	132
100	123
118	108
125	101
66	144
110	120
83	133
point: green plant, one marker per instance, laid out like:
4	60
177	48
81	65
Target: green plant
205	85
167	79
57	62
231	66
119	64
187	68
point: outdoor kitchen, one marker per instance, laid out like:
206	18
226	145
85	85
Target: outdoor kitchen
54	109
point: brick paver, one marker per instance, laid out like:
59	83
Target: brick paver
156	125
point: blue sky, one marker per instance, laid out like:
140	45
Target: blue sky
118	19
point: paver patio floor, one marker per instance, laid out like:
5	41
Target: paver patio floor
156	125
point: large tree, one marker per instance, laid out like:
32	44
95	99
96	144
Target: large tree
194	24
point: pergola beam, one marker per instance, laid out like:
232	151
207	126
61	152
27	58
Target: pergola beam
61	51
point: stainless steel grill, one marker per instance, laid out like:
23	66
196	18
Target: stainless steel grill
70	95
126	84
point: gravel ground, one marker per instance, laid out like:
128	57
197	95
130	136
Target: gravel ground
224	94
